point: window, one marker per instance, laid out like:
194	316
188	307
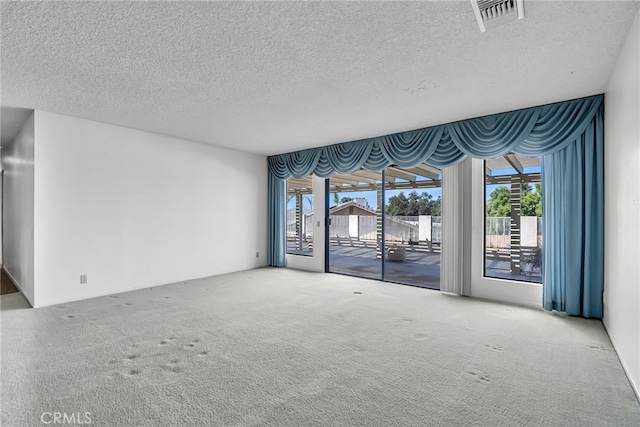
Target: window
513	218
300	216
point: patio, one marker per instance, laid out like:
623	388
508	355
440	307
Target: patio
420	268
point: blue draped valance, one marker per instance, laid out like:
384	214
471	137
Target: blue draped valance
529	132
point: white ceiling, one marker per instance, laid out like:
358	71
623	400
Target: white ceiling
272	77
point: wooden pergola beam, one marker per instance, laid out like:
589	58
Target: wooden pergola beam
391	186
377	176
364	180
429	168
423	173
355	179
399	173
506	179
515	163
434	183
345	181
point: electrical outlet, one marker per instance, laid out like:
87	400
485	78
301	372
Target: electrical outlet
83	279
257	254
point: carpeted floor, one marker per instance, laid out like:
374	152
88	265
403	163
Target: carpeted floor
283	347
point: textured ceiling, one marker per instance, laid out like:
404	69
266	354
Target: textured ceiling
271	77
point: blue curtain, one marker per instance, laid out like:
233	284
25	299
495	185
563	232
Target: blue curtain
547	131
573	228
277	217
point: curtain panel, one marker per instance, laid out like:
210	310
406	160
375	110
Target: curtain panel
573	225
551	131
277	221
455	261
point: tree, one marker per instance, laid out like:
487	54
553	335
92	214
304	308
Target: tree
436	207
530	201
346	199
499	202
336	199
397	206
418	204
413	205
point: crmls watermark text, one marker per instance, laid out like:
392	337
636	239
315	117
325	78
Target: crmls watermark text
77	418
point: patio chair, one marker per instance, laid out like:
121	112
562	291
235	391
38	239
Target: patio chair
395	254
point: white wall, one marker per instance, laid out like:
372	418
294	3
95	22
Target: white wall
17	213
1	184
132	209
622	206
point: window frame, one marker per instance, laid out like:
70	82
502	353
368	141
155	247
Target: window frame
525	178
518	292
300	207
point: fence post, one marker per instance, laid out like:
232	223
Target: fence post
379	225
516	188
298	220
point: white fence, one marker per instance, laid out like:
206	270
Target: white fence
397	228
498	232
401	228
418	228
306	226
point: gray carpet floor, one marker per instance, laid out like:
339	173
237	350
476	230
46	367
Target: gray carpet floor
283	347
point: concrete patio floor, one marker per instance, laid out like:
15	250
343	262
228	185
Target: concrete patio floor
418	269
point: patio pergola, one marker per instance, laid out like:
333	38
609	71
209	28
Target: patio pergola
510	170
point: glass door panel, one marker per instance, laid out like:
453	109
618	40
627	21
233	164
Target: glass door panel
412	224
355	221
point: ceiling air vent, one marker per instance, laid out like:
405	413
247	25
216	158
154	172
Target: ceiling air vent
491	13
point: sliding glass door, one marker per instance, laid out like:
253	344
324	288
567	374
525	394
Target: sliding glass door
386	225
354	214
412	225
